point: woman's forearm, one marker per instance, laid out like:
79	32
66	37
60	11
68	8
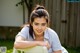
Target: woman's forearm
25	44
59	51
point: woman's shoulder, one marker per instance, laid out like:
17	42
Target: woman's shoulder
51	32
24	32
26	27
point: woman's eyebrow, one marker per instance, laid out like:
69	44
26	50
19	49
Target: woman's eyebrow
39	23
36	22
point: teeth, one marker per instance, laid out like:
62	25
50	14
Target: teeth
39	31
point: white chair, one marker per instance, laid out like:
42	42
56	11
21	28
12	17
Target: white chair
37	49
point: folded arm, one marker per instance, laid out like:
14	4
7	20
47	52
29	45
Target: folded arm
20	43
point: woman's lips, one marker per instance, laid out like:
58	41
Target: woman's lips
39	31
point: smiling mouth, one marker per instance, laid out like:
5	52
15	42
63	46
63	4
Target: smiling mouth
39	31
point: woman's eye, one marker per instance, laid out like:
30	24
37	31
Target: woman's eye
43	24
36	23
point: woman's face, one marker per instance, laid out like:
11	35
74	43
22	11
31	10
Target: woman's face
39	25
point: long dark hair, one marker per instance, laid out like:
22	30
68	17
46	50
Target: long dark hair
39	12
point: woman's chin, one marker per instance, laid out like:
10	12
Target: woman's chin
39	33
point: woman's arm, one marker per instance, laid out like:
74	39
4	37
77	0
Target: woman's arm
20	43
59	51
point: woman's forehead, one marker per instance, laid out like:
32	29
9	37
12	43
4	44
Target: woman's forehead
42	19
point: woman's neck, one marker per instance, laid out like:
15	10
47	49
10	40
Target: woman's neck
39	37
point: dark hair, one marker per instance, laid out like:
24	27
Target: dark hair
39	12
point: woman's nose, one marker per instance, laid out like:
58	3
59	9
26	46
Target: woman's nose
39	27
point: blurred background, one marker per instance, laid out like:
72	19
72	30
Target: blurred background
64	19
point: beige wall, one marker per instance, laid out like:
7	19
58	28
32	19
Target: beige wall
10	15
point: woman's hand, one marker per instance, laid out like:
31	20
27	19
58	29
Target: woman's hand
44	43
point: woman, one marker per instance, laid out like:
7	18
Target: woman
38	33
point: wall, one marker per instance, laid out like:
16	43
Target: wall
10	14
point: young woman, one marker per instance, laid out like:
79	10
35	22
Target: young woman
38	33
